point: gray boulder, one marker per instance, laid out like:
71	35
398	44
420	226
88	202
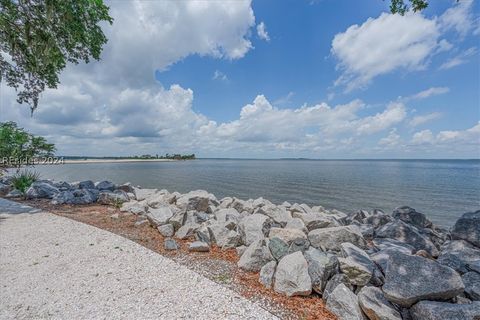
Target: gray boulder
178	219
198	200
471	280
316	220
112	198
87	184
267	273
334	281
40	189
375	306
4	189
331	238
408	234
186	231
134	207
199	246
410	216
297	223
278	248
252	227
278	215
76	197
458	254
386	243
344	304
170	244
160	216
378	219
105	185
166	230
62	185
409	279
468	228
14	193
225	215
255	256
356	264
291	277
321	267
433	310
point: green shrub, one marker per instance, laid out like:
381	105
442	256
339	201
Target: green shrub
22	180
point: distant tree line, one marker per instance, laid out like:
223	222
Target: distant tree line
167	156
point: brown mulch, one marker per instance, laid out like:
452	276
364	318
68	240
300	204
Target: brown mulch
217	265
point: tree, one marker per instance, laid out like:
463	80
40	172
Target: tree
39	37
399	6
18	147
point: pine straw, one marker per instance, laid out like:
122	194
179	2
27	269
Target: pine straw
217	265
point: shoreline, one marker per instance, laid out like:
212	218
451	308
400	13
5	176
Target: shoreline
115	161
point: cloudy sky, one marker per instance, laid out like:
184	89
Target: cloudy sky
268	79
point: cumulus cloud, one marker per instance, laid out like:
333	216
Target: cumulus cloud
393	42
422	119
470	136
392	140
262	31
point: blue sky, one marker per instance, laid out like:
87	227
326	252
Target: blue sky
273	79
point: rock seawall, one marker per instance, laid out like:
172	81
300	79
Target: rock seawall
365	265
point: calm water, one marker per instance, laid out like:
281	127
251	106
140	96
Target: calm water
442	189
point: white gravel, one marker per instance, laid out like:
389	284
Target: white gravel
56	268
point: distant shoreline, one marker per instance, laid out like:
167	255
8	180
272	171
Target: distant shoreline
79	161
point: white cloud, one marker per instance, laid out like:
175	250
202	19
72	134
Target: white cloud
262	31
459	59
459	17
433	91
423	137
375	47
219	75
393	114
392	140
469	136
422	119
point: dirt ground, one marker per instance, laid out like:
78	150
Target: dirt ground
217	265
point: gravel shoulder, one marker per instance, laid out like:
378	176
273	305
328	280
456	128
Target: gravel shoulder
53	267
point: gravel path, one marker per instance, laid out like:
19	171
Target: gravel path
57	268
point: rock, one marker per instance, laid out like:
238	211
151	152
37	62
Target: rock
41	189
408	234
267	273
382	257
287	235
142	194
140	222
457	254
344	304
160	216
333	283
199	246
291	277
105	185
230	214
378	219
409	279
471	280
278	248
468	228
375	306
252	227
134	207
318	220
4	189
157	201
79	196
186	231
14	194
278	215
410	216
198	200
112	198
297	223
62	185
170	244
203	234
331	238
178	219
166	230
433	310
321	267
356	264
385	243
240	250
126	187
255	256
87	184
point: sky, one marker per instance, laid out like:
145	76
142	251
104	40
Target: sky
316	79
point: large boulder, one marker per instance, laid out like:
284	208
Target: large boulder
142	194
410	216
316	220
471	280
468	228
105	185
291	277
344	304
287	235
408	234
87	184
321	267
187	231
41	189
433	310
386	243
356	264
79	196
334	281
253	227
331	238
225	215
375	306
458	255
297	223
112	198
159	216
278	215
409	279
255	256
135	207
198	200
198	246
4	189
267	273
